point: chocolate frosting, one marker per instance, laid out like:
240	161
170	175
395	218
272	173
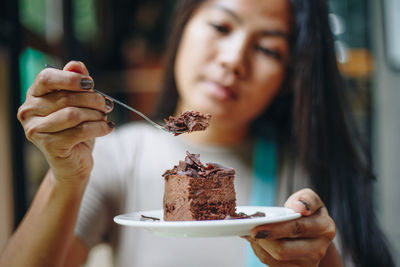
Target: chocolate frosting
188	121
194	168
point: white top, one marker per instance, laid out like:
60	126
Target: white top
128	165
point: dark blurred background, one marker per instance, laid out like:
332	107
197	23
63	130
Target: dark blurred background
122	44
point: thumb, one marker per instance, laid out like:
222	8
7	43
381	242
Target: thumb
305	201
76	66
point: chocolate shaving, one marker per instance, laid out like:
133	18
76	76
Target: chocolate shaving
242	215
193	167
149	218
187	122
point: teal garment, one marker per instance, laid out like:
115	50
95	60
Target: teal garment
263	185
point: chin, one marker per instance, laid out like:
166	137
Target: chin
214	109
205	103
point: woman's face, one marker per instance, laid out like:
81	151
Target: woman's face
232	58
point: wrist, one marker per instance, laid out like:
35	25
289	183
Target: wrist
67	184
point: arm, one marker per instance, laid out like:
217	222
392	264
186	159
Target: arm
46	232
61	116
306	241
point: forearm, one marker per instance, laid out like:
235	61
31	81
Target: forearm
43	237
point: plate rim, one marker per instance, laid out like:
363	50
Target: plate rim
291	215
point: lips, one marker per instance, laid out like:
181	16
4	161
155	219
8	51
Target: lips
221	92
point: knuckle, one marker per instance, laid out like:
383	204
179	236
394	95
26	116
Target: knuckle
43	78
298	228
65	99
72	114
21	113
330	231
29	108
30	89
30	132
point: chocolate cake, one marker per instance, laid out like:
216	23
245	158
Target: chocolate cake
188	121
194	191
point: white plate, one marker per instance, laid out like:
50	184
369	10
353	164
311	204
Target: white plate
210	228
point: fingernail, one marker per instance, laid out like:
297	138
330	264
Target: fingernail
306	205
109	104
86	83
111	124
261	234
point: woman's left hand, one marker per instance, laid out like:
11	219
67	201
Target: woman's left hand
301	242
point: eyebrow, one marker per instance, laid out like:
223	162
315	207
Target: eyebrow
277	33
229	12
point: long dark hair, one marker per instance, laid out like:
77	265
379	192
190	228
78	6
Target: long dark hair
310	114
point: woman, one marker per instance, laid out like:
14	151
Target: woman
258	67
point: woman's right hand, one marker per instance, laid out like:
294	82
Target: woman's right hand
62	116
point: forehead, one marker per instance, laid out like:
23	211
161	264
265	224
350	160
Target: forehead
265	13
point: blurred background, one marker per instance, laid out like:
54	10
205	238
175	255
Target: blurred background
122	43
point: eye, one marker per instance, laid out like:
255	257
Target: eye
269	52
220	28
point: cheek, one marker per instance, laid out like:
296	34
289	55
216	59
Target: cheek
268	78
181	63
185	74
264	89
189	59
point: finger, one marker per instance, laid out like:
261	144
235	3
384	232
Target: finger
263	255
87	131
311	250
63	119
76	66
50	79
62	99
43	106
332	257
67	139
318	225
305	201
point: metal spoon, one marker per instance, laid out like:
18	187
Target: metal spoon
137	112
131	109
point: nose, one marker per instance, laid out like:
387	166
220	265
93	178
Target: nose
233	56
